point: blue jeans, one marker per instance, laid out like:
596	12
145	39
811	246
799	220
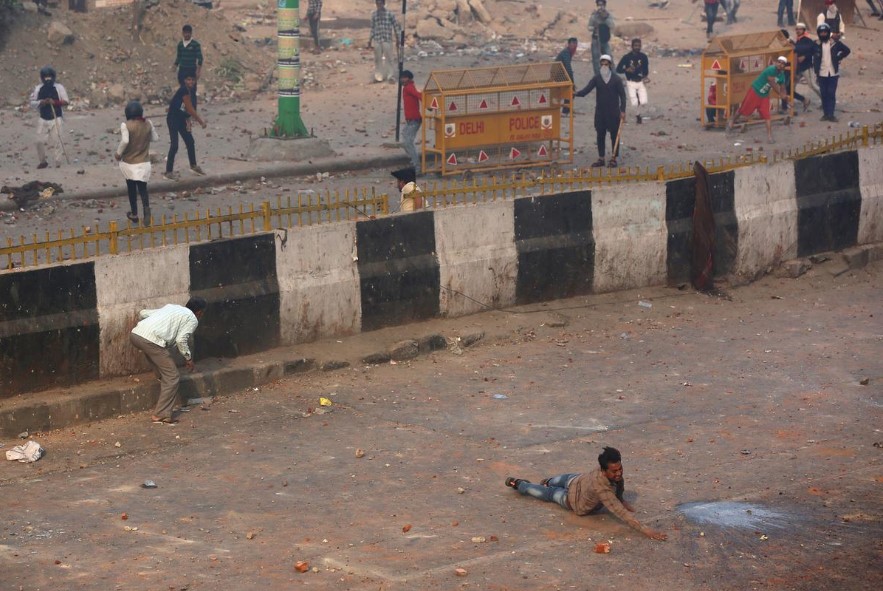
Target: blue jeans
786	5
555	490
710	17
409	134
828	90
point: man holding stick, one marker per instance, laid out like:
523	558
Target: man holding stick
609	109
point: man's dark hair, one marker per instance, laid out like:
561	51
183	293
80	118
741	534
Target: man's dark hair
610	455
198	304
638	39
573	40
187	29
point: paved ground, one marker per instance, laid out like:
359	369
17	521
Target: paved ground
756	400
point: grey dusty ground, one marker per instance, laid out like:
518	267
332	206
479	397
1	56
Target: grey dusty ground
753	404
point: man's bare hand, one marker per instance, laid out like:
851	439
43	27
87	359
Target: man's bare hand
655	535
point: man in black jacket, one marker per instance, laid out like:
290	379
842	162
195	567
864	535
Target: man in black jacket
826	63
636	67
609	108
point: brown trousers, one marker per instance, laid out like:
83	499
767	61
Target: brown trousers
165	369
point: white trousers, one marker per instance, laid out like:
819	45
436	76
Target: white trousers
637	93
385	61
50	132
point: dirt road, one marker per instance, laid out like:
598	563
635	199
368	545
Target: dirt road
746	432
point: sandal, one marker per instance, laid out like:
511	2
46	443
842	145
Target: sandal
513	482
163	421
598	163
612	163
132	217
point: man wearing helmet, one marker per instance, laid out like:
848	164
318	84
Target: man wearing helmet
48	98
826	62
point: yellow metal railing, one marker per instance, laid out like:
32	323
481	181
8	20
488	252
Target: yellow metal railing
302	210
310	209
458	192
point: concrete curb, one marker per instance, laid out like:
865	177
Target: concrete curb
272	171
111	398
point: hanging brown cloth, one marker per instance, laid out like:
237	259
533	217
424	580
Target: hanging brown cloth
702	263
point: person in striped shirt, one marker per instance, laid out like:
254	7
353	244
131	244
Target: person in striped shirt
188	60
385	32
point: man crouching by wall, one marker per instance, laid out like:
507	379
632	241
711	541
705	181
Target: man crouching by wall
154	335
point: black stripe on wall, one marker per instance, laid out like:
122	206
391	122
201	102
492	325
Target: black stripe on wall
555	245
829	202
398	269
238	279
49	334
680	201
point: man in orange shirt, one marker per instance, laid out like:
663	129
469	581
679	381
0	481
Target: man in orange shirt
411	98
587	493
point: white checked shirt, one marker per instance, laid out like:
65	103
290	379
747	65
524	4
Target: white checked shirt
170	324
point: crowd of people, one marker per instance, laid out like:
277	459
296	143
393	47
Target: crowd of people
817	64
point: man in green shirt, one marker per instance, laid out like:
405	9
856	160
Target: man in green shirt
758	96
188	60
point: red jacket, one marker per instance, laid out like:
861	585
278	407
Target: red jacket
411	97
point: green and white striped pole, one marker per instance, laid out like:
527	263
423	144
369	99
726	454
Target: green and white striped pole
288	123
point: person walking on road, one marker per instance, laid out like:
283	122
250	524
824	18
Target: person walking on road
588	492
609	108
133	154
785	6
188	59
182	112
636	67
711	7
601	29
314	15
758	96
48	98
411	98
384	37
829	52
156	332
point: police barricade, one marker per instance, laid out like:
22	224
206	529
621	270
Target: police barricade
500	117
730	63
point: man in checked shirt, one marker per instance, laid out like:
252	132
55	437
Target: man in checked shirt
385	32
587	493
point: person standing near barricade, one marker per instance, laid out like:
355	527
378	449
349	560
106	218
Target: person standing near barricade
48	98
609	109
804	49
758	96
565	56
385	32
636	67
411	98
314	14
826	63
133	154
601	28
188	59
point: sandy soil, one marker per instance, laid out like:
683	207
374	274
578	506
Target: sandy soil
342	105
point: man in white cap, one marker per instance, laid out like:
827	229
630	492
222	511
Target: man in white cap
758	96
609	108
